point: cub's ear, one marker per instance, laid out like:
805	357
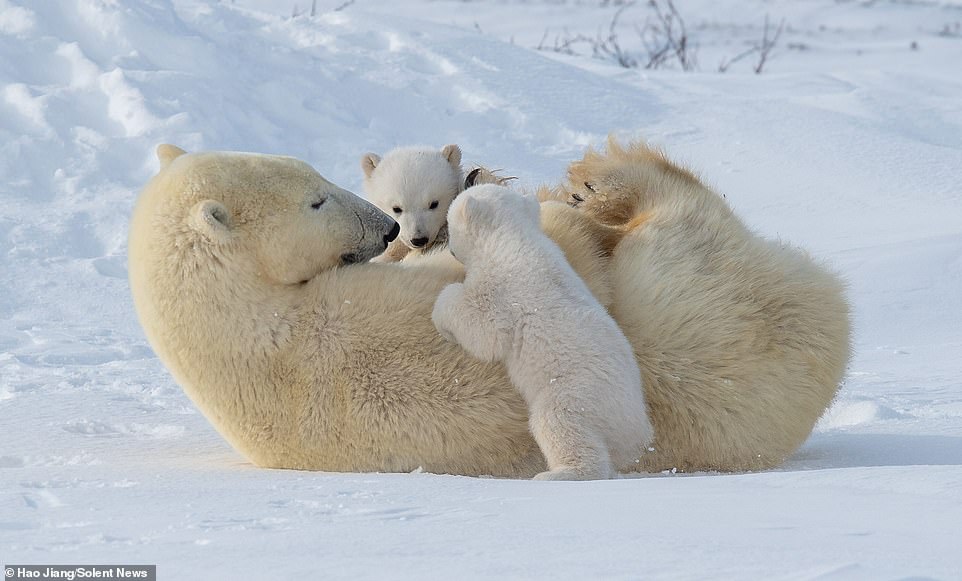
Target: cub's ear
369	161
475	210
212	220
472	177
456	211
532	206
452	153
167	153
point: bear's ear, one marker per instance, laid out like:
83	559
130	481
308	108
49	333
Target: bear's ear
167	153
475	210
452	153
369	161
532	206
212	220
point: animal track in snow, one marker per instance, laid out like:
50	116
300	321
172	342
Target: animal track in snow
102	429
847	414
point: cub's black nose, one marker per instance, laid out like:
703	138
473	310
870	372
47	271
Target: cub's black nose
390	236
419	242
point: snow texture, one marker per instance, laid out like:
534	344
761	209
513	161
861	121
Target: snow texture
849	144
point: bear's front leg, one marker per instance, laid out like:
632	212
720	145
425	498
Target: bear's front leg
445	313
461	322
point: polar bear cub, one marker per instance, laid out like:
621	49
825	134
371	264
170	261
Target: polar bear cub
522	303
415	186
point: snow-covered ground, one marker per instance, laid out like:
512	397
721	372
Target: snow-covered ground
849	144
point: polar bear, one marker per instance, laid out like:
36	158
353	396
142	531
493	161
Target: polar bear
249	277
416	185
523	304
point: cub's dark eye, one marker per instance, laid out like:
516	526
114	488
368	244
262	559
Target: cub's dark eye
397	209
317	205
590	187
578	197
433	205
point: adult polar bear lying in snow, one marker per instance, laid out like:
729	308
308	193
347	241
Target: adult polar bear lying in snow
237	267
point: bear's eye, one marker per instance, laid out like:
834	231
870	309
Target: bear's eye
433	205
578	197
317	205
590	187
397	209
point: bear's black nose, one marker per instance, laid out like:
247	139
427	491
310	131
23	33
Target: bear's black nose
390	236
419	242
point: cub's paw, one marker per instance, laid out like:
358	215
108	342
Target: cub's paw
443	315
395	252
445	334
568	473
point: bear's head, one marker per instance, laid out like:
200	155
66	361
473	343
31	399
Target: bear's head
415	185
488	216
275	215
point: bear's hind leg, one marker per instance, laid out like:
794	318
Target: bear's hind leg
572	450
621	186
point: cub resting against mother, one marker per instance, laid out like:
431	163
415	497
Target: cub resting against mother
250	279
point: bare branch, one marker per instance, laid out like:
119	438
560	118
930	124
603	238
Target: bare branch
763	49
723	66
602	46
768	43
664	38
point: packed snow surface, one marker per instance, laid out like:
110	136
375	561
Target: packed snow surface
849	143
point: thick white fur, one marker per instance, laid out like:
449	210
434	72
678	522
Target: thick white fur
301	362
521	303
412	179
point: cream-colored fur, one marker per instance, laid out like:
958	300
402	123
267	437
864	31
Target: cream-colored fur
301	362
742	341
521	303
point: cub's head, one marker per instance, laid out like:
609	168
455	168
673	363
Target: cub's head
415	186
273	215
486	216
